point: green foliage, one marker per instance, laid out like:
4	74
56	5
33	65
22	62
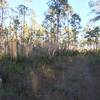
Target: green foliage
22	9
92	36
13	67
54	19
94	5
75	23
93	33
16	23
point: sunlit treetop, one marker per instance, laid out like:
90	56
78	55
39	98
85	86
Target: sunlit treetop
3	3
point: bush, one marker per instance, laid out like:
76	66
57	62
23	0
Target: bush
67	53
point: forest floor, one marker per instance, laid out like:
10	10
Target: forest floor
63	78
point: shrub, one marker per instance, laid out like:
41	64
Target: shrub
67	53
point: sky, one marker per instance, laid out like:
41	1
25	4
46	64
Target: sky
40	6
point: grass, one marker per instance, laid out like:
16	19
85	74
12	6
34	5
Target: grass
48	70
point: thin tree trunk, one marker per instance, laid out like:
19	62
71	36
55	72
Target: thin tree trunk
68	33
58	21
2	14
96	42
57	37
24	17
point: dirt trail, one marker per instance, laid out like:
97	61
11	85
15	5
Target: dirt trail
79	80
